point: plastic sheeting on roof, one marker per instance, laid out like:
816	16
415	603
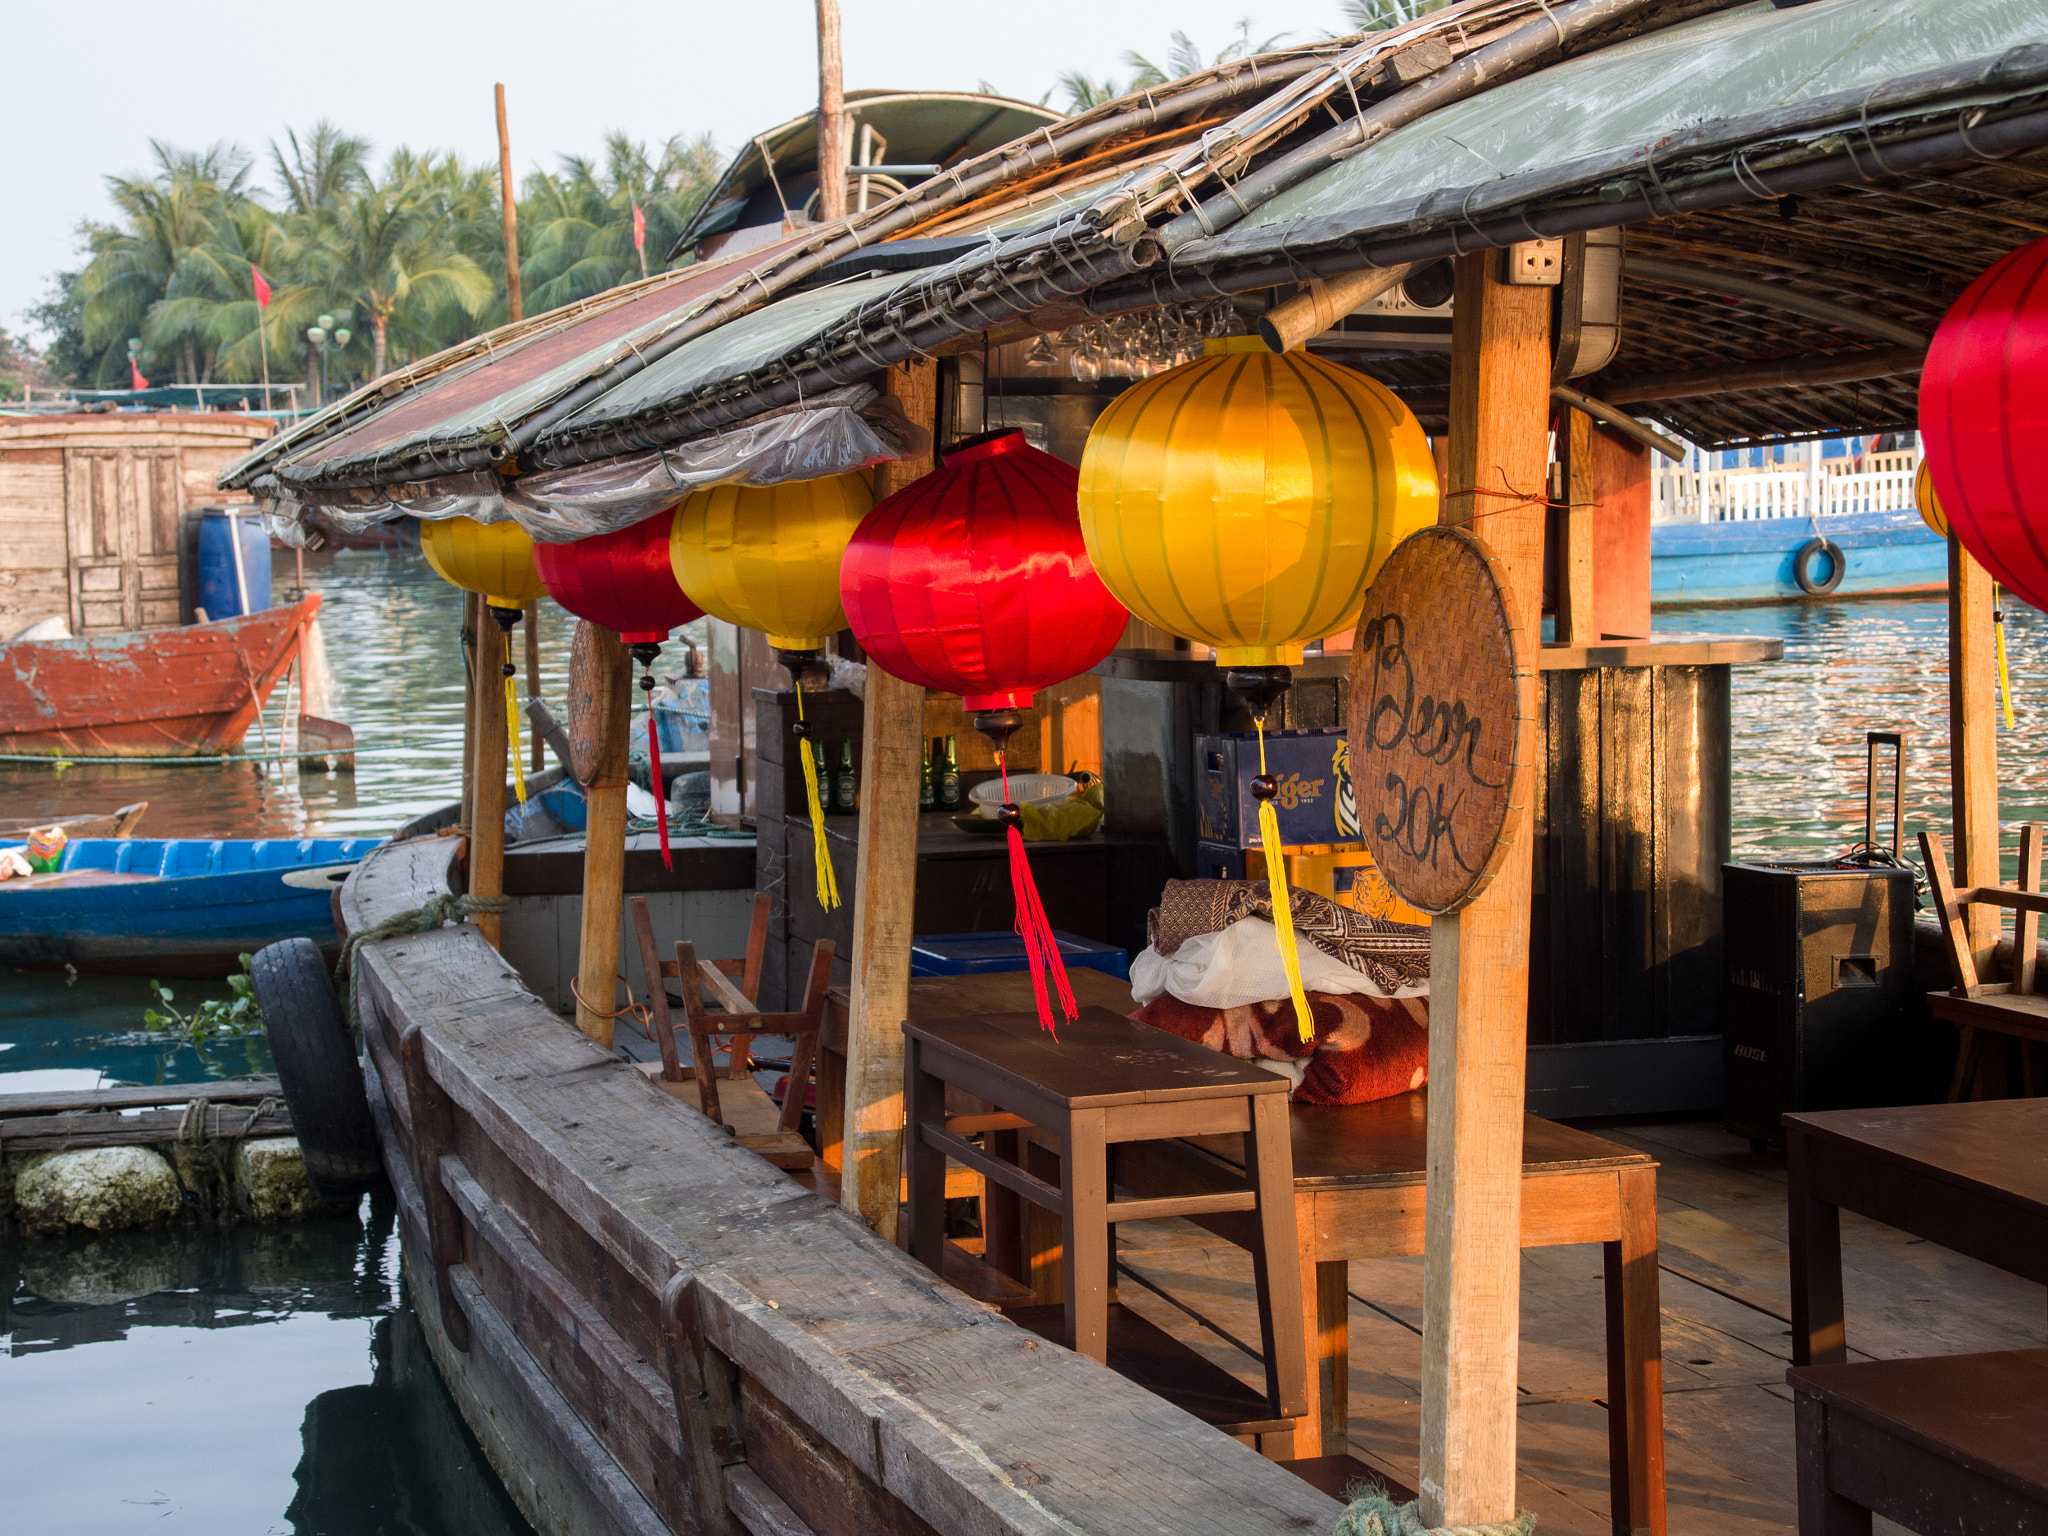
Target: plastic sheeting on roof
1732	64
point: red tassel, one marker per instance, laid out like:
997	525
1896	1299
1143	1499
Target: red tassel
660	794
1041	950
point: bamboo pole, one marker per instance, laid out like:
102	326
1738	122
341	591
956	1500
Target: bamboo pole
487	823
832	136
1479	958
511	206
601	682
1973	741
540	742
472	612
885	890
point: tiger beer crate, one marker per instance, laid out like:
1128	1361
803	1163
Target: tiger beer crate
1315	804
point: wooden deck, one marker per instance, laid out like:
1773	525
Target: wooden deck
1726	1327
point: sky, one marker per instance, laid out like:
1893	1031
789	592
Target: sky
91	86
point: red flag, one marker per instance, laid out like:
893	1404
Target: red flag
136	374
639	229
262	286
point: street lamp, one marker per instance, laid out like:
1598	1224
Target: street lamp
323	337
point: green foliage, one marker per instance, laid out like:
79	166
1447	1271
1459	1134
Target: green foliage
1378	15
21	367
210	1022
1183	57
410	260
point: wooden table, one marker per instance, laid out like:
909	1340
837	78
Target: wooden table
1359	1177
1103	1085
1971	1177
1951	1444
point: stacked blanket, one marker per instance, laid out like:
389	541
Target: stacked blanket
1212	974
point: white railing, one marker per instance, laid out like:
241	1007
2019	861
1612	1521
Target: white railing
1878	482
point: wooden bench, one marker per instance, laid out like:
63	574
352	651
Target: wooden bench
2012	1008
1951	1444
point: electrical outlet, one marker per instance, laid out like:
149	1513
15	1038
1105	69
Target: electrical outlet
1536	263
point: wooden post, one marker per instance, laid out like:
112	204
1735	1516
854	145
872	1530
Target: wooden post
600	709
884	891
1973	741
832	145
1575	622
472	612
1479	958
540	742
511	207
487	819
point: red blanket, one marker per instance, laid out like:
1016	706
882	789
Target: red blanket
1365	1048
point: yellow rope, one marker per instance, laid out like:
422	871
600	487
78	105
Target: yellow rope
512	741
1998	632
1283	903
828	883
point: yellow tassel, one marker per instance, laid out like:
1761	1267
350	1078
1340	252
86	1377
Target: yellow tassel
1283	903
512	743
1998	630
828	883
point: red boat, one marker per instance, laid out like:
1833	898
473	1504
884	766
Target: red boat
185	692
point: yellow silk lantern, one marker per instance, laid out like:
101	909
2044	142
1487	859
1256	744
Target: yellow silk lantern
1245	500
1929	504
495	559
767	557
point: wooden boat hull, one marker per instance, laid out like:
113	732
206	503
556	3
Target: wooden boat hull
1887	554
174	907
121	823
187	692
649	1329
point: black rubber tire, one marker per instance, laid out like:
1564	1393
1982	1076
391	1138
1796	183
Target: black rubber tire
1802	567
316	1064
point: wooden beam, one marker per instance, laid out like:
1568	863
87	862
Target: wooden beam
1973	741
1823	368
532	632
601	673
1575	622
487	796
1479	958
472	613
884	890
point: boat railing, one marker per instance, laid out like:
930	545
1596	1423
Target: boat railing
1877	482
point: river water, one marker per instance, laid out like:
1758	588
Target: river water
256	1382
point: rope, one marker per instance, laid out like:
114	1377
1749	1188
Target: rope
1277	886
1377	1515
450	908
642	1014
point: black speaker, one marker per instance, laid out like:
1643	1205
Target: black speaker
1816	961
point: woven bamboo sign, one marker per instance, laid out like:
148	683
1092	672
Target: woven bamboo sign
1439	746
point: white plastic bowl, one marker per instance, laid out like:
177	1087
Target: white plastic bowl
1025	789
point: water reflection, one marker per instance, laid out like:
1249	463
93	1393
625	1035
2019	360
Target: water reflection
1852	667
252	1380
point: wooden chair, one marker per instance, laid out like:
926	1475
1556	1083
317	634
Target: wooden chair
735	1100
2010	1008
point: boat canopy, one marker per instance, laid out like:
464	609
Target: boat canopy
1804	189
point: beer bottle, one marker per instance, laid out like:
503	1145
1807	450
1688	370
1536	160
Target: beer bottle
927	792
949	778
846	782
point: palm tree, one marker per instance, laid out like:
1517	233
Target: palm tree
167	216
1183	58
387	251
320	172
1378	15
580	219
209	307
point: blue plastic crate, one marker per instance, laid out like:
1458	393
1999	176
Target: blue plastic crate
971	954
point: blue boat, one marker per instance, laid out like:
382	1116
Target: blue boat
1761	559
174	906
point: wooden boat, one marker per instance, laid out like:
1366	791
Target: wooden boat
185	692
121	823
180	906
651	1330
1762	559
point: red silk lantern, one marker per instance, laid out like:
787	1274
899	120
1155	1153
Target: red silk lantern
624	581
975	581
1983	413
